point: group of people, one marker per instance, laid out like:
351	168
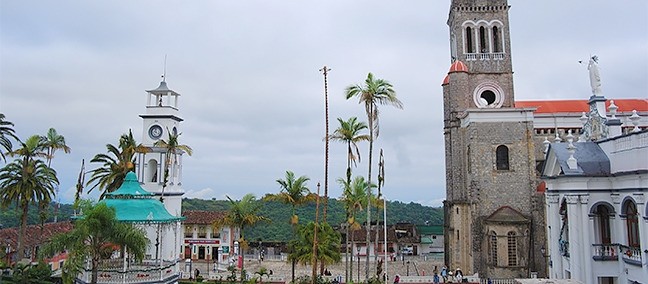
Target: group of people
446	274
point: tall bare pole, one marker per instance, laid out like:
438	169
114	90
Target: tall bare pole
326	138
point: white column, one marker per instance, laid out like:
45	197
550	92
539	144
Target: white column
588	231
575	233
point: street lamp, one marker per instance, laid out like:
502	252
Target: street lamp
358	254
190	260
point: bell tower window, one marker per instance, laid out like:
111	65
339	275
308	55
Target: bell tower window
482	40
497	43
502	156
469	41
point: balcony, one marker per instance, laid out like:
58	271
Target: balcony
605	252
631	255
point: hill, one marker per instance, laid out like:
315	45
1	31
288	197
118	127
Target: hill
277	230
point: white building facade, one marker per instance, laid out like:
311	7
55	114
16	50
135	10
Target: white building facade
596	202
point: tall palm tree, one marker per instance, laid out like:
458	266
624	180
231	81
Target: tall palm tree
241	214
374	92
27	180
115	165
90	238
6	132
173	148
295	193
354	199
349	132
53	142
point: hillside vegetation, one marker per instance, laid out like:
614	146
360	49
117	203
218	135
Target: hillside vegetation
277	230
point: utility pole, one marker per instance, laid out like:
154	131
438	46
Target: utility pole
315	228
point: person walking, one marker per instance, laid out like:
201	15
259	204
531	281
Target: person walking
435	279
444	274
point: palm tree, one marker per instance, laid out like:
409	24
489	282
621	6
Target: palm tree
374	92
6	132
90	238
241	214
354	199
172	147
26	181
53	142
327	247
115	165
295	193
349	132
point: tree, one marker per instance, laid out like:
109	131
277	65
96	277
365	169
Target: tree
6	132
241	214
53	142
172	146
371	94
115	165
349	132
95	236
354	199
328	244
27	180
295	193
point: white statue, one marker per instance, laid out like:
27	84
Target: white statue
595	76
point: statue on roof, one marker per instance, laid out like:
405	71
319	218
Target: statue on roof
595	76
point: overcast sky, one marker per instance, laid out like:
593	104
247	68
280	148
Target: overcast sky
252	95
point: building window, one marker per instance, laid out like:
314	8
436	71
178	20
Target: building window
202	232
188	232
497	43
502	158
602	216
469	41
512	249
632	223
493	248
482	40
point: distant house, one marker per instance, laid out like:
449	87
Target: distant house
35	237
402	238
201	242
431	238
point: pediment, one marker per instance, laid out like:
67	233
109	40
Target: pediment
506	214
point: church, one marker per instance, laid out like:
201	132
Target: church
495	209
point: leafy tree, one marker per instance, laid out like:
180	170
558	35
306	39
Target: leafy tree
93	237
349	132
243	213
6	132
371	94
328	244
295	193
37	274
354	199
115	165
27	180
173	147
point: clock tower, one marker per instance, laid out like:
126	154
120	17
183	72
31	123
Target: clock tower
160	120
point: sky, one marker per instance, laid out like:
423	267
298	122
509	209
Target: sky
252	95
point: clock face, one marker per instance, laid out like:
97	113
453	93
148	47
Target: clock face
155	132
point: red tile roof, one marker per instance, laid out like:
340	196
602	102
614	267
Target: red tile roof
202	217
446	80
578	106
34	235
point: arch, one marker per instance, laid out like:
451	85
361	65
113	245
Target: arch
502	158
604	203
602	212
492	243
497	40
483	40
469	46
511	238
151	171
632	222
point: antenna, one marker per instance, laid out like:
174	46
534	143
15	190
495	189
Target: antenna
164	70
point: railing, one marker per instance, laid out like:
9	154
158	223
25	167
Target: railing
484	56
146	272
605	252
631	255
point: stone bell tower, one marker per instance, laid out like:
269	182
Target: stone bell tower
494	220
